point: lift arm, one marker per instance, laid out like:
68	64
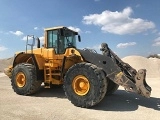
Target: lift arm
129	78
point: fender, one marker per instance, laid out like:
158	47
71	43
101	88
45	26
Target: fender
28	58
23	57
104	62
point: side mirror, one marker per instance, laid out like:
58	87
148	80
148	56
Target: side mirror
79	38
38	42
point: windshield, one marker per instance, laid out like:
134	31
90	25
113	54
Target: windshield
69	38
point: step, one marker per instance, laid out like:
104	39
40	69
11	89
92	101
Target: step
51	65
58	74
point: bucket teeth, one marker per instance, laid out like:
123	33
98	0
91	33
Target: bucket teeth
8	71
142	87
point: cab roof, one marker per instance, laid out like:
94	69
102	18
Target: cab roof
59	27
54	28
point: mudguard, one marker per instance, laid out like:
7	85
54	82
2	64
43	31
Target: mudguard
24	58
104	62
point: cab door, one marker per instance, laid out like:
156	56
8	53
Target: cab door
56	41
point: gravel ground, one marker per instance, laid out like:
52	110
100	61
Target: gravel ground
51	104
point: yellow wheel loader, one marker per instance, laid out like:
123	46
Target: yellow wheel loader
86	76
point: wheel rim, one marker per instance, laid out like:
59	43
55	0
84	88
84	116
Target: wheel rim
20	79
81	85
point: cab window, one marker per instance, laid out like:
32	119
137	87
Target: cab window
52	39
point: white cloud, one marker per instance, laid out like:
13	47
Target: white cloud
75	29
25	38
35	28
3	48
87	32
42	39
95	47
96	0
155	31
118	22
125	45
156	42
30	38
18	33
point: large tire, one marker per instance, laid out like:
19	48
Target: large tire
85	84
24	79
111	88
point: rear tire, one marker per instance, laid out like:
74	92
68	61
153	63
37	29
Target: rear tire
24	79
85	85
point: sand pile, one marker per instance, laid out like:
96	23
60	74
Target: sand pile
152	65
5	63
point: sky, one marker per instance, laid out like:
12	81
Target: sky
129	27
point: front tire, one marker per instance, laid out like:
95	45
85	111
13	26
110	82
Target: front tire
24	79
85	85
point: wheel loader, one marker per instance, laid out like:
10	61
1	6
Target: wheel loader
86	75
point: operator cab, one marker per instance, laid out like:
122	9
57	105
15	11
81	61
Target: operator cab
60	38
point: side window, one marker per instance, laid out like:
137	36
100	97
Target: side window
52	39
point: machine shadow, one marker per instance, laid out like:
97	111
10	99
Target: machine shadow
119	101
50	92
123	101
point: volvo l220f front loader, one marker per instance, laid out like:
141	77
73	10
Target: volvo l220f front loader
86	75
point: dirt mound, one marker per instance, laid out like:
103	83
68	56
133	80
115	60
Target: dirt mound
5	63
152	65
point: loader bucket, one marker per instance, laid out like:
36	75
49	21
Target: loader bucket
142	87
